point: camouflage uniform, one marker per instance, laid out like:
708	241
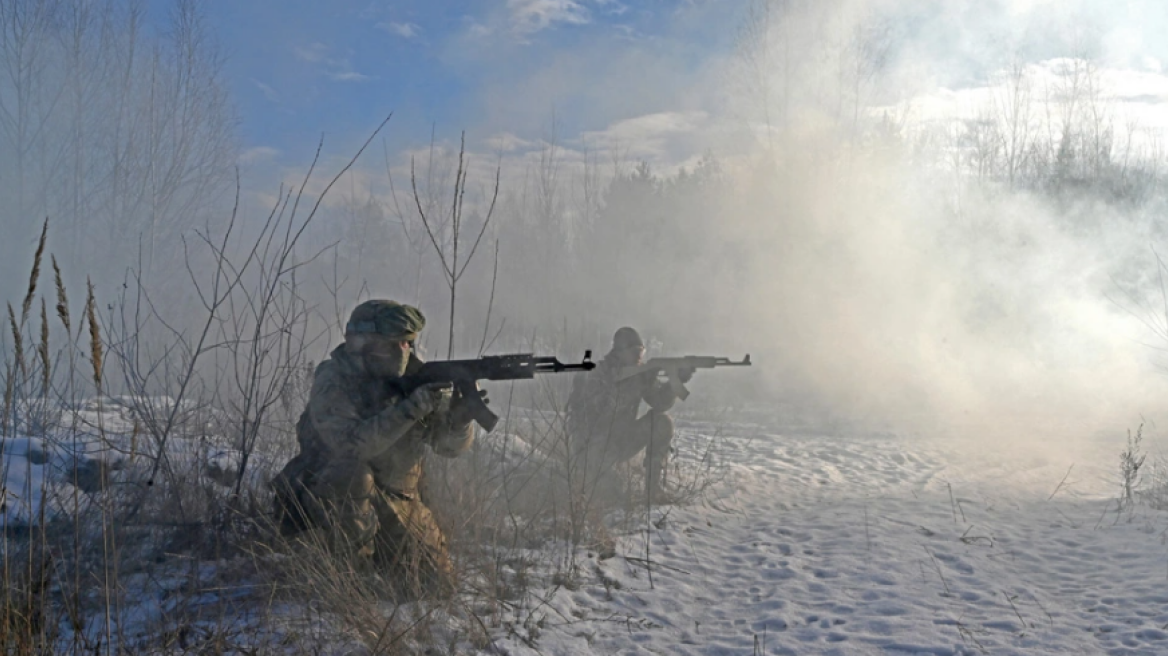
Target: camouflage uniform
602	417
361	448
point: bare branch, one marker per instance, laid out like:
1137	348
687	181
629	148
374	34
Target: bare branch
491	301
426	222
486	221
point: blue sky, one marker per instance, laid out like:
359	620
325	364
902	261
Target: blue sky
649	72
299	68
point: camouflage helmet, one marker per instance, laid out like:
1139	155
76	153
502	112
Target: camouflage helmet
626	338
388	318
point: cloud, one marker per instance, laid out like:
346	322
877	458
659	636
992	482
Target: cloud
349	76
667	140
612	7
268	91
648	136
339	69
660	123
1132	104
506	142
529	16
258	154
404	30
312	53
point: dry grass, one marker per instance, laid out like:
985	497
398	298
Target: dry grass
95	347
25	620
35	275
17	343
43	352
527	516
520	524
6	427
62	298
319	584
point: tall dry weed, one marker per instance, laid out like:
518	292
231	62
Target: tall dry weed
25	609
95	348
9	399
313	572
35	275
43	351
17	342
62	298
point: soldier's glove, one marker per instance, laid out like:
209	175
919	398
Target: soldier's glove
460	409
685	374
423	401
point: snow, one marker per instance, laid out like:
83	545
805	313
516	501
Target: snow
817	543
870	545
43	474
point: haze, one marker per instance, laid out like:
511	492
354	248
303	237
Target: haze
924	220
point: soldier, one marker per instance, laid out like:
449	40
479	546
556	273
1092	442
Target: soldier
602	415
361	449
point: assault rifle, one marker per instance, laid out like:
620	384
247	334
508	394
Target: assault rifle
671	368
463	374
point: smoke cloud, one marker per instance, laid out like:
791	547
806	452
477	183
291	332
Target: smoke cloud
916	216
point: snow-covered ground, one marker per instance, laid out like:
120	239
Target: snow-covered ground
98	445
859	544
835	544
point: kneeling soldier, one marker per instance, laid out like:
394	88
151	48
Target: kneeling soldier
361	450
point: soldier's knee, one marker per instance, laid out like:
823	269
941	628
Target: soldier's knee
345	479
342	500
662	426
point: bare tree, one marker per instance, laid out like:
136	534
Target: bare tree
120	131
247	347
447	242
1013	103
27	98
438	171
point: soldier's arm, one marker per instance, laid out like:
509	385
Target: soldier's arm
334	414
449	440
449	432
447	435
